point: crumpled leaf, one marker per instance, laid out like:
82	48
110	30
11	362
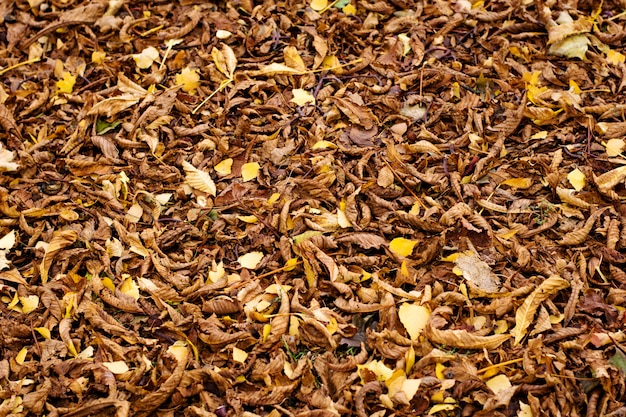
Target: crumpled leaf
525	314
60	240
146	58
477	272
198	179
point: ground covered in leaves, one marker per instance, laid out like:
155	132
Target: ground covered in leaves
370	208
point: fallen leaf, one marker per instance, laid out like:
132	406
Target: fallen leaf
250	171
414	318
302	97
116	367
402	247
525	314
577	179
189	79
198	179
224	167
146	58
250	260
499	383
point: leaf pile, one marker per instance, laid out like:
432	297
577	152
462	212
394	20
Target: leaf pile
312	208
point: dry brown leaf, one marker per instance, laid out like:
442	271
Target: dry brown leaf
525	314
60	240
578	236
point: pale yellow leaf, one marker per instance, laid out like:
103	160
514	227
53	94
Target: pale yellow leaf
524	410
414	318
134	213
239	355
146	58
521	183
577	179
6	243
21	356
130	288
29	303
223	34
571	47
385	177
302	97
614	57
179	350
250	260
6	160
224	167
499	383
379	369
540	135
116	367
217	272
277	68
198	179
525	314
477	272
441	407
614	147
402	247
250	171
319	5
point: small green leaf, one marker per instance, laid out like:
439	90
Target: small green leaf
103	126
340	4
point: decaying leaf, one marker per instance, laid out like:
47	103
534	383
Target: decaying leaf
525	314
60	240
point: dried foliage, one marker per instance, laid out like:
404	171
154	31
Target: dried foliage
312	208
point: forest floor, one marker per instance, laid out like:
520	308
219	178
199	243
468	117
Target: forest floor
312	209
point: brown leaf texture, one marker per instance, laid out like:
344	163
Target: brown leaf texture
525	314
60	240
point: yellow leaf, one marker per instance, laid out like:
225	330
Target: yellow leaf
273	198
302	97
250	260
614	147
319	5
266	332
250	171
499	383
349	10
43	331
189	80
66	83
198	179
290	265
577	179
29	303
614	57
540	135
224	167
223	34
406	45
439	368
441	407
379	369
323	144
179	350
239	355
97	57
116	367
21	356
130	288
521	183
108	283
146	57
248	219
414	318
401	246
525	314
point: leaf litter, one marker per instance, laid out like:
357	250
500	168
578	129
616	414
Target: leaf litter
311	208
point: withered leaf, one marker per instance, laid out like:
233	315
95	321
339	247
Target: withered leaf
525	314
60	240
